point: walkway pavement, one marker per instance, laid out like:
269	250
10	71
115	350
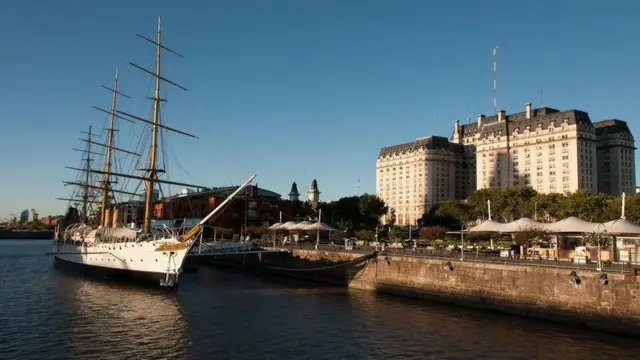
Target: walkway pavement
486	257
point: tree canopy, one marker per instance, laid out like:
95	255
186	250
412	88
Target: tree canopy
355	212
517	202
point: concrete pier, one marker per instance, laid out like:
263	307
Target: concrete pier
554	294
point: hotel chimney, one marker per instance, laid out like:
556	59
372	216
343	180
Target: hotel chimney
480	117
456	126
527	109
501	115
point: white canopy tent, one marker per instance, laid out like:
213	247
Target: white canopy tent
489	226
302	225
523	224
572	225
319	226
275	226
621	227
289	225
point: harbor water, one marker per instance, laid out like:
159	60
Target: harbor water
47	314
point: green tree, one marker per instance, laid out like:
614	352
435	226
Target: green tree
512	203
593	239
478	202
392	217
347	211
531	235
547	206
358	212
372	206
301	208
459	210
632	208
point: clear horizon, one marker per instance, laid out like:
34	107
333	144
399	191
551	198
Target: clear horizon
292	90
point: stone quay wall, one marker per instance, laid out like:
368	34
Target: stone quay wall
531	291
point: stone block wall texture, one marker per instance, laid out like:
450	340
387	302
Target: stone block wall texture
538	292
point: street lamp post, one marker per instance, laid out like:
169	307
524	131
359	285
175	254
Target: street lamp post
599	245
462	240
242	228
376	237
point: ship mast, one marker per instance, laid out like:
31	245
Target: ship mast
148	198
85	195
152	172
106	183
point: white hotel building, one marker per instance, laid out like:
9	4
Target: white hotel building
413	177
546	149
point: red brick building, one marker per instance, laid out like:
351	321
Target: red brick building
255	207
49	221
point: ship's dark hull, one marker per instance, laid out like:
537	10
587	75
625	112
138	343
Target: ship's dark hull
284	264
8	234
137	278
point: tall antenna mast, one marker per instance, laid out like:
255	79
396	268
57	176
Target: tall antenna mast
85	195
495	79
106	183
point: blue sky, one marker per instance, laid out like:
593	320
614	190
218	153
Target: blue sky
293	90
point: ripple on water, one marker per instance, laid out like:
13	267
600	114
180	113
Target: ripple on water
226	315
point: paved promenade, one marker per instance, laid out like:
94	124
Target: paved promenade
471	256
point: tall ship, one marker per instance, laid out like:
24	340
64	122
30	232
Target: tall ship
91	239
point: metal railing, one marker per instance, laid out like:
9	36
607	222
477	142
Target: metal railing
490	257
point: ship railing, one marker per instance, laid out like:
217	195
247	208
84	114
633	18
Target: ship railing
79	229
109	236
167	232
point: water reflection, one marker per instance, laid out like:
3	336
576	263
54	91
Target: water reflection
108	321
227	315
420	330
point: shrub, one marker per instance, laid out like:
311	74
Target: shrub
365	235
432	233
396	235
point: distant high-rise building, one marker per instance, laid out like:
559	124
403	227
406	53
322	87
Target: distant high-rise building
24	216
551	151
615	149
